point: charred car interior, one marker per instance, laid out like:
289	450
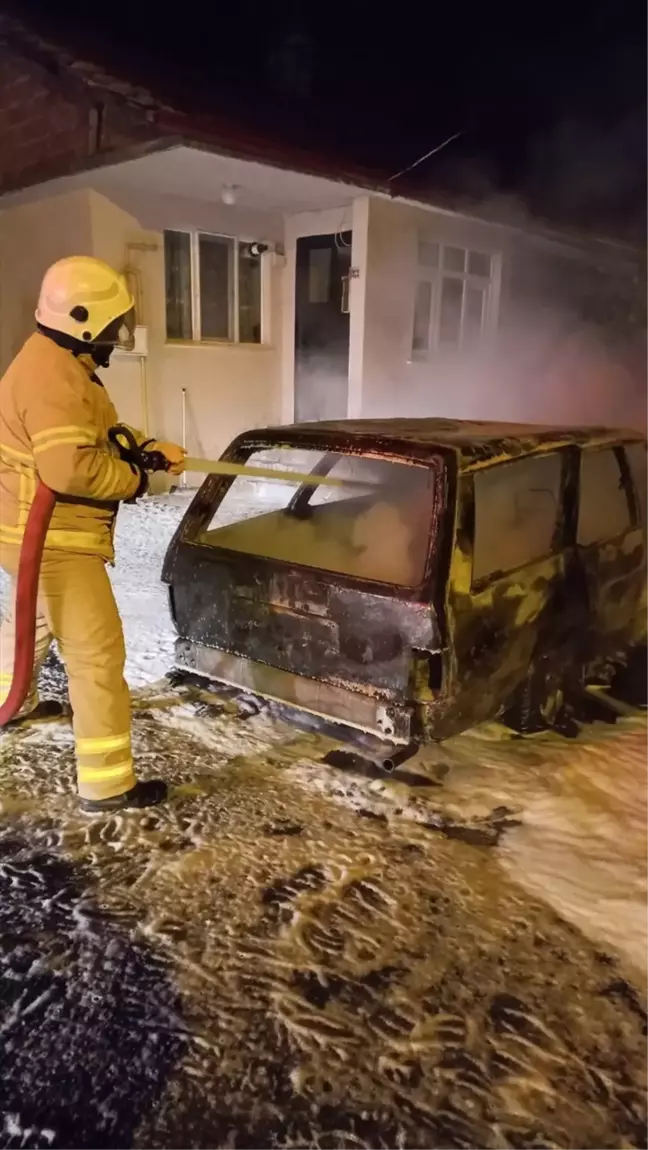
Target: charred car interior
460	572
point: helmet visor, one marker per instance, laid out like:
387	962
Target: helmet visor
126	332
120	333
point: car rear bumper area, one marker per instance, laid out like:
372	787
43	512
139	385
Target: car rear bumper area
353	708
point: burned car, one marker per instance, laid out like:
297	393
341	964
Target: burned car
460	572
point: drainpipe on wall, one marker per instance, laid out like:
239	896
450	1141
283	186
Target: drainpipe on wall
184	430
144	389
133	276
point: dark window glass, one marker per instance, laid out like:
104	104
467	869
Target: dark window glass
636	456
516	513
604	511
422	304
177	276
249	295
450	316
216	259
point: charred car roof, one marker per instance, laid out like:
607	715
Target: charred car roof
474	442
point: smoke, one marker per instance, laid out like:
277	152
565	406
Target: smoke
597	176
570	345
539	373
542	370
570	341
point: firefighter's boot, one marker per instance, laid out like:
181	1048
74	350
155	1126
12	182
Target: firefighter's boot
144	794
45	711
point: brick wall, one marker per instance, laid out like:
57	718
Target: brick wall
49	128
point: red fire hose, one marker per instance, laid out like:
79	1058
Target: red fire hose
31	553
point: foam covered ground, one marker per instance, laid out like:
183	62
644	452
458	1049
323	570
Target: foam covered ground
291	954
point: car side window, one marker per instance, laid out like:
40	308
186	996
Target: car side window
636	456
604	510
517	508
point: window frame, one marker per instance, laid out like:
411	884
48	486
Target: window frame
216	487
233	301
627	486
482	582
435	276
639	497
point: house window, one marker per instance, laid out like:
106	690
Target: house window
213	288
454	302
517	509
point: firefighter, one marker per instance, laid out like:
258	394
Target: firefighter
54	420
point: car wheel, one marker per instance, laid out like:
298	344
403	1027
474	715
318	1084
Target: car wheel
538	704
630	681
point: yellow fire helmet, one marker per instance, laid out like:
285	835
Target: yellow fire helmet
86	299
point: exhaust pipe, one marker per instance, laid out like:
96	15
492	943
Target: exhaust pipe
388	756
372	756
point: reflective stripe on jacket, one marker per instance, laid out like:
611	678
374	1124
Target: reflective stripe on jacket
54	422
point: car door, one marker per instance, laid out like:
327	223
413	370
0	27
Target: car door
507	587
611	544
637	458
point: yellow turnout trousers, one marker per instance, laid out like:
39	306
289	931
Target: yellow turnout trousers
76	606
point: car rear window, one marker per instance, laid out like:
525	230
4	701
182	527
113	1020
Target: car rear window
375	526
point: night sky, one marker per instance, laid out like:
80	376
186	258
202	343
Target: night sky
550	99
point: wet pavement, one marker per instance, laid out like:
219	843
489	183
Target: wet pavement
292	953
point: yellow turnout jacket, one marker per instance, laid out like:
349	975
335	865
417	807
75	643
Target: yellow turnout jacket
54	422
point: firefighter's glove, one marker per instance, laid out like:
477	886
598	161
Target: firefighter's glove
173	452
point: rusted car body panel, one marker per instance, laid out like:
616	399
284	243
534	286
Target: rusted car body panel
428	660
347	639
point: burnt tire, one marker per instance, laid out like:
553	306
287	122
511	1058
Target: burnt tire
538	704
629	683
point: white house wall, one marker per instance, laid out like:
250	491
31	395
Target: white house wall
155	211
31	238
126	379
228	387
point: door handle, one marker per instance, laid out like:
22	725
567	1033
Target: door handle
344	301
